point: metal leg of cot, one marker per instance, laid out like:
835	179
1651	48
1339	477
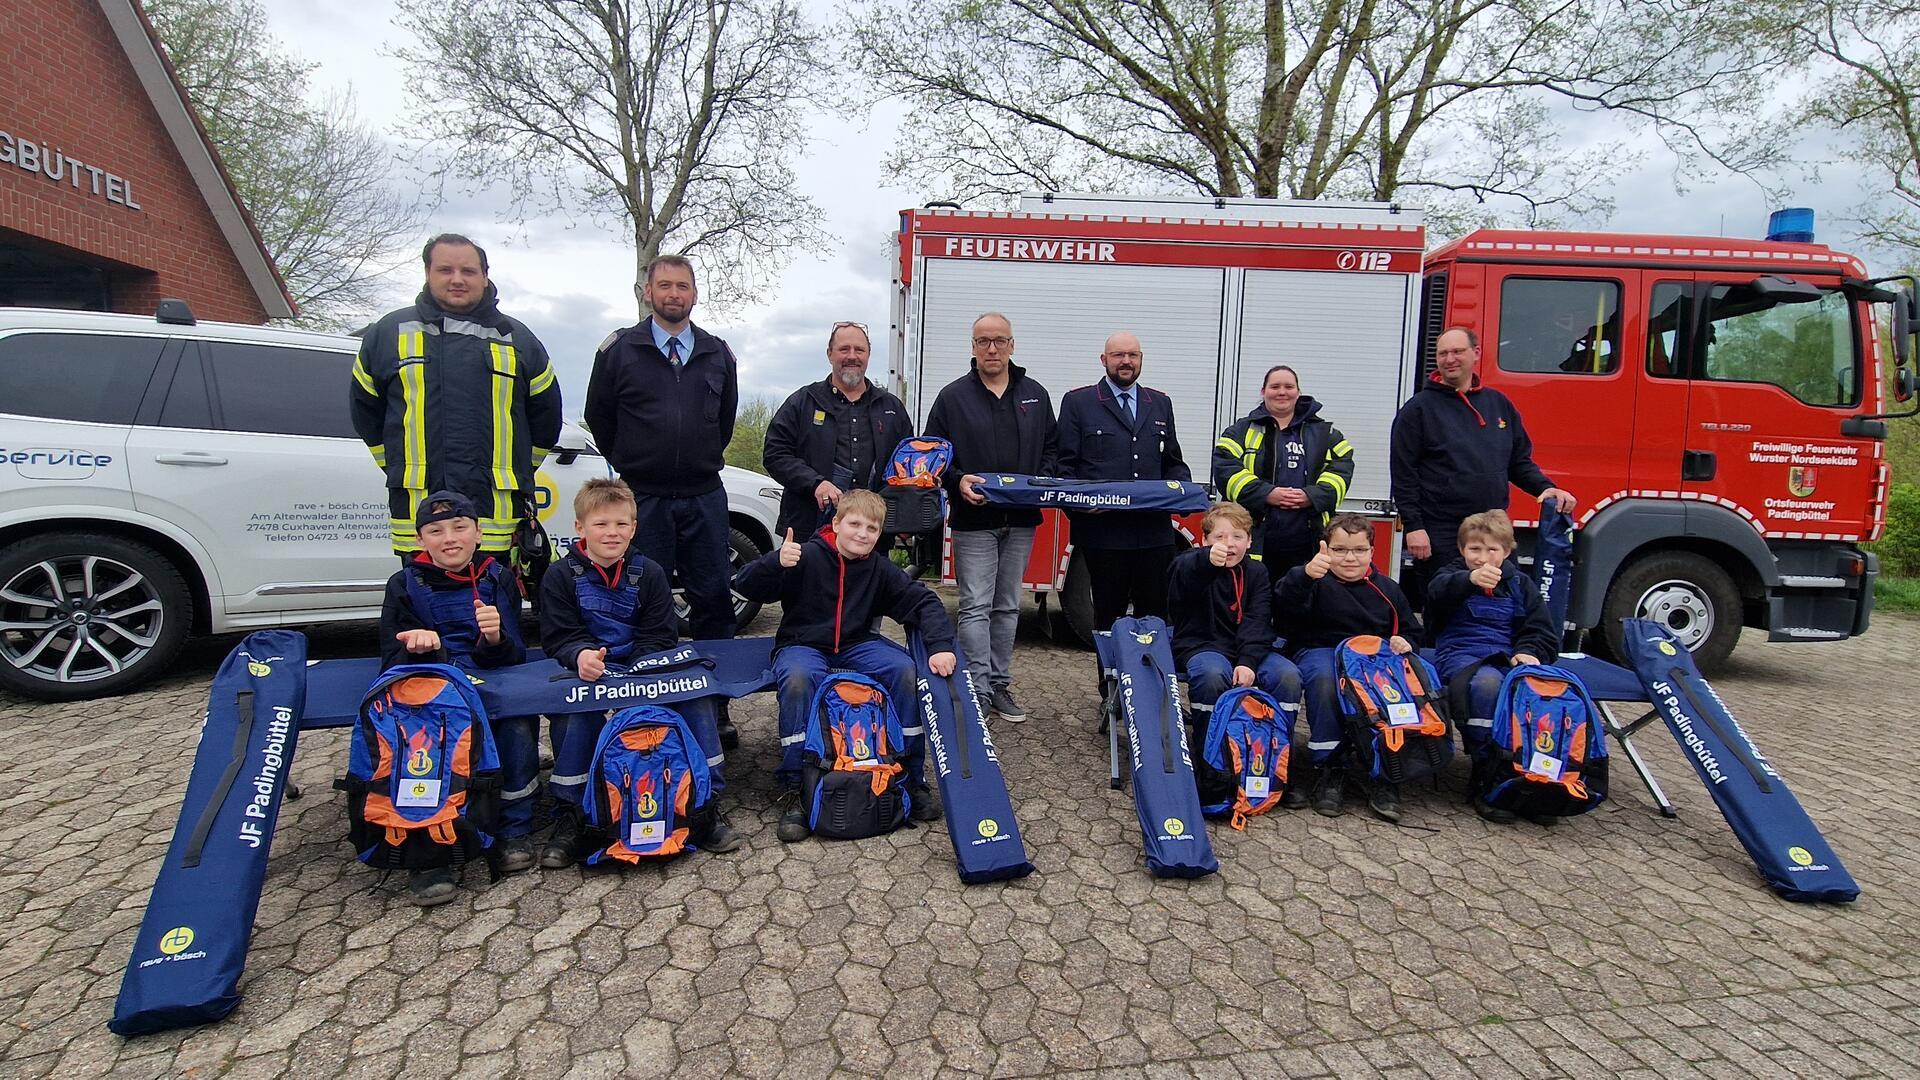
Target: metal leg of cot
1110	709
1622	735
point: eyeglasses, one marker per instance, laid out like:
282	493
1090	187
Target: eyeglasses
1351	553
839	326
992	342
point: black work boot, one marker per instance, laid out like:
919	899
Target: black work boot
1384	801
729	735
1331	791
563	847
1297	787
926	805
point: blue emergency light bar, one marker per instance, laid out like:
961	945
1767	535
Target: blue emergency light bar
1793	225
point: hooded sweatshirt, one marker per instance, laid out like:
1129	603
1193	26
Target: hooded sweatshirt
829	601
1455	452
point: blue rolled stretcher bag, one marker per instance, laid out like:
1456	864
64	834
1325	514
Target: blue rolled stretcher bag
1171	822
1553	563
192	946
1017	489
1783	841
979	812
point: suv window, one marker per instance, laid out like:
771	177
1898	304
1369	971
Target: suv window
1805	349
1559	326
98	378
280	390
186	405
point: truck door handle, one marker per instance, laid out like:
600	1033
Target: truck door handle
190	457
1698	465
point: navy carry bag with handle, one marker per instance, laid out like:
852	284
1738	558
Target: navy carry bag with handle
979	812
192	946
1770	823
1553	563
1171	822
1018	489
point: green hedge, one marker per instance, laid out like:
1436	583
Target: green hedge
1899	547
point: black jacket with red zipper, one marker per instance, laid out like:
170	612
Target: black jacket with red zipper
1223	609
488	581
1320	614
1455	452
829	601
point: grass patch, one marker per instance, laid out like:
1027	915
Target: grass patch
1896	593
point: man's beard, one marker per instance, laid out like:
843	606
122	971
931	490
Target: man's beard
848	378
1124	381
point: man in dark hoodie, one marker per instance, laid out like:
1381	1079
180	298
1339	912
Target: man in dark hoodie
1288	466
833	436
661	404
484	380
831	590
1456	447
998	420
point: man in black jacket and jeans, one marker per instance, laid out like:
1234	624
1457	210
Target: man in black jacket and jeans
998	421
833	436
661	404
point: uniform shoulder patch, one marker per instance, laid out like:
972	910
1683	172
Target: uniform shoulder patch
608	342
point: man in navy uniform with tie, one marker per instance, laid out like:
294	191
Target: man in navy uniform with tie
660	405
1117	429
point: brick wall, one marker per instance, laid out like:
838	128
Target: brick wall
66	84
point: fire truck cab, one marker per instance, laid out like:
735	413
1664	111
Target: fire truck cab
1717	407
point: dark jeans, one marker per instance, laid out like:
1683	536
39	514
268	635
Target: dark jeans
1119	577
687	536
1445	538
798	671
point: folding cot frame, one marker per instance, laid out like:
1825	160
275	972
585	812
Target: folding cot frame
1610	684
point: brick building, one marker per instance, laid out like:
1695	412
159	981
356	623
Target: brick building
111	196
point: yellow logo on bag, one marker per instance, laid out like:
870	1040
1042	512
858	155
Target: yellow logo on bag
989	828
258	670
649	806
1800	856
175	941
1667	647
1174	826
1144	639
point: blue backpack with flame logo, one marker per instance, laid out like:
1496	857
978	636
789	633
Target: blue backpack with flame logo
649	793
851	777
1549	747
914	493
423	776
1247	743
1396	721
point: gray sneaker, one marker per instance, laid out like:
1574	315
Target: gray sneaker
1007	708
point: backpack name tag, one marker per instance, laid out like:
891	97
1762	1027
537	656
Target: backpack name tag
1259	786
418	793
646	833
1403	714
1544	766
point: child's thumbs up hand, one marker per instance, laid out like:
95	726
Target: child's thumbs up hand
591	664
488	618
789	551
1321	562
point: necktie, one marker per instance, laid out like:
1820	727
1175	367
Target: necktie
673	351
1126	402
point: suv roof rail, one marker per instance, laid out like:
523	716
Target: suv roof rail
174	313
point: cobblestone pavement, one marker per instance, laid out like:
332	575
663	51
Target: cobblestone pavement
1620	944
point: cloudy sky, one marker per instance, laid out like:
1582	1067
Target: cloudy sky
571	280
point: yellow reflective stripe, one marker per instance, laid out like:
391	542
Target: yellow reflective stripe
1239	482
379	454
1256	556
1255	437
1230	446
540	455
413	425
404	536
542	382
505	361
1334	481
410	344
360	376
1341	449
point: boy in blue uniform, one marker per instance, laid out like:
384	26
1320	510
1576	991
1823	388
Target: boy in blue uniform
443	600
602	604
831	590
1486	616
1336	595
1222	622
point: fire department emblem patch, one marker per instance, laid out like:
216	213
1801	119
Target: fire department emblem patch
1800	480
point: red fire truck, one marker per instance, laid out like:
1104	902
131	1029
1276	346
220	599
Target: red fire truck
1715	405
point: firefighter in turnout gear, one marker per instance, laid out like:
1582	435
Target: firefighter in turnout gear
1288	466
450	394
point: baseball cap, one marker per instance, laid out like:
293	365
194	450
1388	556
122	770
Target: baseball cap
443	506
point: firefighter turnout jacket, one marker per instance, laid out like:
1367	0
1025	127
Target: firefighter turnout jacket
466	401
1251	458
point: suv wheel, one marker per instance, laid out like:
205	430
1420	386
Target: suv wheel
741	550
85	615
1687	593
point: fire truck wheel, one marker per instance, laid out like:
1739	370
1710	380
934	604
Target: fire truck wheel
1685	592
1076	600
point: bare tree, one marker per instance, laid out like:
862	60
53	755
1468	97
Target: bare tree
313	176
677	118
1301	98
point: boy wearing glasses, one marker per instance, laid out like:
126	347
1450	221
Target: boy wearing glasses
1337	595
998	420
833	436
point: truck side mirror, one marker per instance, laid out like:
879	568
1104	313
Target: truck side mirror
1903	385
1902	332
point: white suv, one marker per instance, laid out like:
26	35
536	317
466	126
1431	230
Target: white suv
160	477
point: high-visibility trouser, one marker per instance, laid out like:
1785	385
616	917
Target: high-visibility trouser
499	514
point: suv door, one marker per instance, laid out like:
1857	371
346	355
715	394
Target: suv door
254	453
